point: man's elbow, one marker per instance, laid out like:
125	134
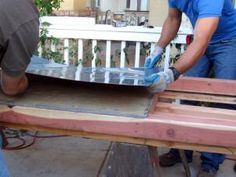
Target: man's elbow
13	91
10	92
202	43
14	86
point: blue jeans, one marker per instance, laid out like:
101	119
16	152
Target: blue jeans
3	168
221	57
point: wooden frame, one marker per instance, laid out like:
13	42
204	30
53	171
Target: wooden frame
167	125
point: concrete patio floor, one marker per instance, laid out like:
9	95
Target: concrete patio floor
78	157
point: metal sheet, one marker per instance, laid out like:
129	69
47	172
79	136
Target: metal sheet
114	76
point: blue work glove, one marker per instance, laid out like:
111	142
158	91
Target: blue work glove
152	59
159	81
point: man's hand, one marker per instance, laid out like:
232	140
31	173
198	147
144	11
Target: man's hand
159	81
152	59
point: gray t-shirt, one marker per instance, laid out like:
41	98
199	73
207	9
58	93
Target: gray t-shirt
19	35
13	14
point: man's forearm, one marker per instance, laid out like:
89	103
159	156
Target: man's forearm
169	31
191	55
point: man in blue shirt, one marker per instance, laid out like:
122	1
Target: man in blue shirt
213	47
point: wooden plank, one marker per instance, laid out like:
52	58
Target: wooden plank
204	85
195	113
198	97
125	139
157	126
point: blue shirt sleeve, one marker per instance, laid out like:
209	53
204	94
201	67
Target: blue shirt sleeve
171	3
210	8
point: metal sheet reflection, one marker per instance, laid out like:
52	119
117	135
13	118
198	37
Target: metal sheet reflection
116	76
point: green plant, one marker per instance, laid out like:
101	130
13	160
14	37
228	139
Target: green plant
125	50
46	7
98	60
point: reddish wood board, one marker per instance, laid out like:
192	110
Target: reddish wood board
165	122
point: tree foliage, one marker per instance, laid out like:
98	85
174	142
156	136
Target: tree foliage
46	7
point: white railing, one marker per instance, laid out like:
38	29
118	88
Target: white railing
110	34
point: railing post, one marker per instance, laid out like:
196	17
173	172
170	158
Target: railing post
94	45
66	51
137	55
122	54
80	50
108	54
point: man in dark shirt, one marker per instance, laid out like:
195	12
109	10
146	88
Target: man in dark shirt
19	36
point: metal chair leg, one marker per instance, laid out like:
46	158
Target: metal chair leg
185	163
153	153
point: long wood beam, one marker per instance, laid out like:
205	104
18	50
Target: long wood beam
161	127
126	139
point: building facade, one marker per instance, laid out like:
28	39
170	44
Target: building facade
103	5
157	9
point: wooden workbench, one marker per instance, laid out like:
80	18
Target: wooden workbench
127	114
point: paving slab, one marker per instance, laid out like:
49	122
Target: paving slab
78	157
60	157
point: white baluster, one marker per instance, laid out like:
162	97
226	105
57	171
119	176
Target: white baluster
94	45
80	50
66	51
122	55
108	54
137	55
